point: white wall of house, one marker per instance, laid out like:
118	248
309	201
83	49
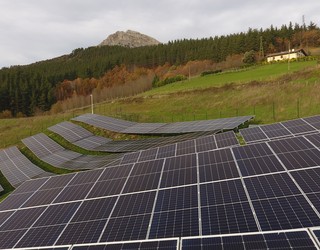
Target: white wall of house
282	56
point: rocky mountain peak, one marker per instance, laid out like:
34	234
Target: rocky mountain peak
129	39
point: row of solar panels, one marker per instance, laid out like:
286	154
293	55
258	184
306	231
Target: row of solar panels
266	186
17	168
297	239
81	137
290	128
54	154
128	127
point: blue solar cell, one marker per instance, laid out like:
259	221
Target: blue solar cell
94	209
9	238
106	188
57	214
315	139
166	151
308	179
269	186
186	147
144	245
300	159
290	145
228	218
73	193
281	240
22	219
140	203
285	213
82	232
185	223
41	236
177	198
224	192
133	227
217	165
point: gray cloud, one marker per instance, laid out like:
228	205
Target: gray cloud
35	30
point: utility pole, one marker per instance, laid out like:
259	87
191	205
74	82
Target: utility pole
91	99
261	53
289	57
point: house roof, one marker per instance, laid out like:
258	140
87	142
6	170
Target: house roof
286	53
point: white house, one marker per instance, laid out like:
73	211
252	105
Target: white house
286	55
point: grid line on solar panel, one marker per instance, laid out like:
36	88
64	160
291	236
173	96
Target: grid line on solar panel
253	134
314	139
276	130
307	179
270	186
179	170
130	217
256	159
313	121
160	244
285	213
298	126
217	165
226	139
295	153
297	239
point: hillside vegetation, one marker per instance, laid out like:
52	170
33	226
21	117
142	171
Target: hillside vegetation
270	92
33	89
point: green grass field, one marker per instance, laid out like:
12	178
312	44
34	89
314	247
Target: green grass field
256	73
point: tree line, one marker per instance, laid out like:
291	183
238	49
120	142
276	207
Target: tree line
26	90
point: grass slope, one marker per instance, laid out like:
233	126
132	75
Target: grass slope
268	91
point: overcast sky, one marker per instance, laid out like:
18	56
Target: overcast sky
34	30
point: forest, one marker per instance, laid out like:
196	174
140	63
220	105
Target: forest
32	89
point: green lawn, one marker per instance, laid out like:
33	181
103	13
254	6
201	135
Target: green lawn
255	73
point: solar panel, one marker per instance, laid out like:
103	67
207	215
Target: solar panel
179	205
217	165
17	168
256	159
313	121
276	240
203	195
142	245
60	157
225	209
285	213
298	126
315	139
253	134
296	153
122	126
179	170
290	128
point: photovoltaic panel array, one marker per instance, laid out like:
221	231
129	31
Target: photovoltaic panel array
52	153
17	168
267	193
291	128
81	137
122	126
297	239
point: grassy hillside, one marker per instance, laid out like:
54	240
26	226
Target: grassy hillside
268	91
257	73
